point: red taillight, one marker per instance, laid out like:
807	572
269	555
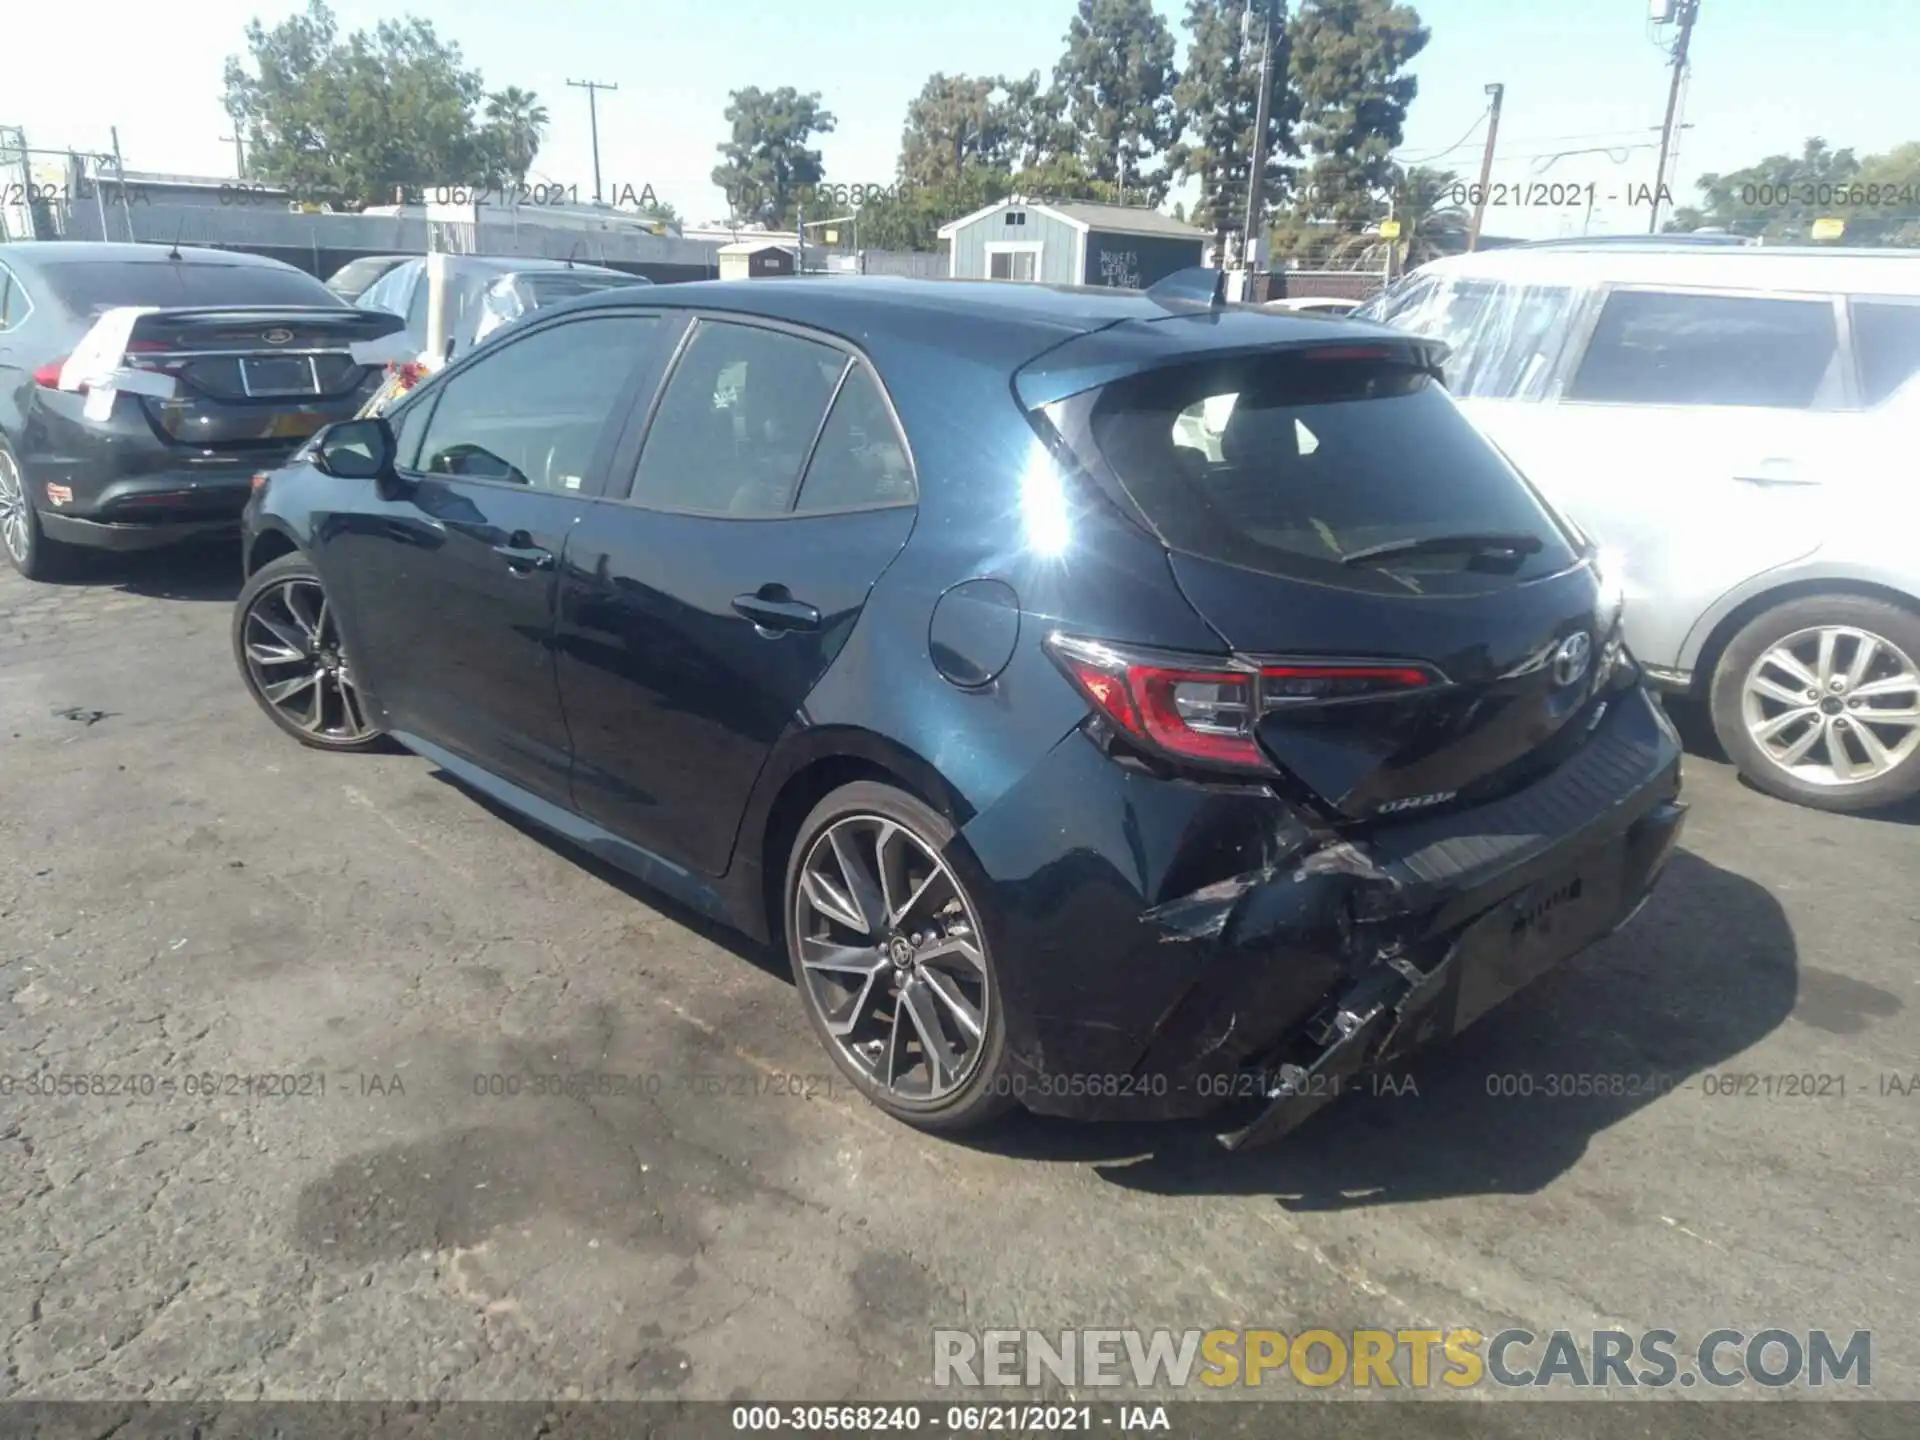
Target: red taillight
1204	709
47	377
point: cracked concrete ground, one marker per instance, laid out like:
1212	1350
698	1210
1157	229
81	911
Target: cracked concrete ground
187	893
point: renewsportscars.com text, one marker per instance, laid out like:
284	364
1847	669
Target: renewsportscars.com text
1458	1358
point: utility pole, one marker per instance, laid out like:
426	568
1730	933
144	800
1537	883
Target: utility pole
593	87
239	155
120	174
1256	173
1499	93
1685	13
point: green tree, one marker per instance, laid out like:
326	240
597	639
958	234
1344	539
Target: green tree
1218	101
1779	197
516	124
767	159
1348	61
1432	224
355	118
1116	81
952	123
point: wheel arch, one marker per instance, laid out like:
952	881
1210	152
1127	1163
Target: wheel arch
268	546
1743	614
810	767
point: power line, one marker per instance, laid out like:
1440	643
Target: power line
1422	159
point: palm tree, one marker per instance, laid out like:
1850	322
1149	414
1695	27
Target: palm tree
520	121
1432	222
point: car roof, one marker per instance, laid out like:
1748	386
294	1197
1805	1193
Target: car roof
1738	267
986	317
523	264
42	254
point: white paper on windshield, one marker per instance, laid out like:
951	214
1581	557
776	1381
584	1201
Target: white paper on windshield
394	349
102	350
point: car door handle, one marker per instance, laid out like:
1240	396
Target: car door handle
774	611
522	555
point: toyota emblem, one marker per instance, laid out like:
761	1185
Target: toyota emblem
277	337
1571	660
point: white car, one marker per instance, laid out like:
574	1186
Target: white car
1736	425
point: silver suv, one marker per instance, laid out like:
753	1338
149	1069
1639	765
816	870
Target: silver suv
1736	428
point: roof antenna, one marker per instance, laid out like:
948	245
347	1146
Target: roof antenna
575	250
173	251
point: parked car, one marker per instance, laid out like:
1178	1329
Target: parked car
353	279
893	621
1313	305
142	387
1737	424
485	292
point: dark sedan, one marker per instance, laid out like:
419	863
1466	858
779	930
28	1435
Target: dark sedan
1113	703
142	387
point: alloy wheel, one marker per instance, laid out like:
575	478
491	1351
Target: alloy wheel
13	509
1833	705
891	956
295	661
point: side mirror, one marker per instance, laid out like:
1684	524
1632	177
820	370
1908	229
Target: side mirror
355	449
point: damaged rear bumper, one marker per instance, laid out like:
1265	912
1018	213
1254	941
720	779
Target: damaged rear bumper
1169	948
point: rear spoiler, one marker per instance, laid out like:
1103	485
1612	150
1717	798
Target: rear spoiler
99	363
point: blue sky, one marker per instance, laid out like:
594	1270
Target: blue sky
1579	74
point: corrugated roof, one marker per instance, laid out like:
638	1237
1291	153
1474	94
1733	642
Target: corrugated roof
1125	219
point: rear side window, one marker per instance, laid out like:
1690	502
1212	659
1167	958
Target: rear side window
1503	340
859	461
737	421
1675	348
1293	465
91	286
1886	338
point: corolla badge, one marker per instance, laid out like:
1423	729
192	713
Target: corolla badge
1572	660
277	337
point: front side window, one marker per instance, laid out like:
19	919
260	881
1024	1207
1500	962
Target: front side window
737	422
1886	338
1655	347
532	411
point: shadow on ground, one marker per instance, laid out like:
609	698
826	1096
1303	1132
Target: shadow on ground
772	961
1708	969
208	571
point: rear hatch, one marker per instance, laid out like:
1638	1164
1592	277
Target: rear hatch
1417	628
256	355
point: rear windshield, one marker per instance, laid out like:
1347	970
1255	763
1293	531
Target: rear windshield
90	286
1293	465
550	287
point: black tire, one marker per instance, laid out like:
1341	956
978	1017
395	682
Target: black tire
27	547
1890	625
251	614
985	1093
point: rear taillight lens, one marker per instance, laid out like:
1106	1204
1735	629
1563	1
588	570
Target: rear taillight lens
1204	708
47	377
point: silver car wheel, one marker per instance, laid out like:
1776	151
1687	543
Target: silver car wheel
295	661
1832	705
891	958
13	509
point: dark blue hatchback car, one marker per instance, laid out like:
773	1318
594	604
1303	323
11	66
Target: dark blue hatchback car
1120	704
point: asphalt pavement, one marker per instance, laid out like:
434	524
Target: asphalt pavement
314	974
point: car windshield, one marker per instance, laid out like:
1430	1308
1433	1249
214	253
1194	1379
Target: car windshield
89	287
550	287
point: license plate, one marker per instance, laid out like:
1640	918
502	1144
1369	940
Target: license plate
1530	934
278	375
